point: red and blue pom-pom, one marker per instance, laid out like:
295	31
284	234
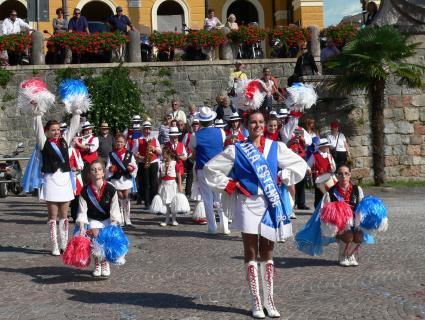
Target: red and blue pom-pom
371	215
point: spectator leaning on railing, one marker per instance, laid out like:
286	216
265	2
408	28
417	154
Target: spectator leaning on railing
119	23
78	23
13	25
60	24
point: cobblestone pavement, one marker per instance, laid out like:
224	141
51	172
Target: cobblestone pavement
183	273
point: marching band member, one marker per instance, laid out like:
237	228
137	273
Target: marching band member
133	135
146	150
87	144
322	163
136	119
234	132
251	167
206	144
178	148
121	168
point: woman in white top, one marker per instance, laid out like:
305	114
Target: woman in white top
231	23
211	21
243	166
339	146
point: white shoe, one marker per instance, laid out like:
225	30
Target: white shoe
97	272
174	223
53	238
345	262
105	270
227	232
293	216
353	261
163	224
55	250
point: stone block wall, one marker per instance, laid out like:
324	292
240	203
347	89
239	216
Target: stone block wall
200	82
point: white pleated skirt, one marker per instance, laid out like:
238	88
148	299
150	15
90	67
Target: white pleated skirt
57	187
167	190
248	214
122	183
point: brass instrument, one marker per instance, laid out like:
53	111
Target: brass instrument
148	157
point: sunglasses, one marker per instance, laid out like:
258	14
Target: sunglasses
77	13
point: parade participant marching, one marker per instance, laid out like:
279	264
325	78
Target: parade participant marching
178	148
87	144
121	168
98	208
128	132
135	134
251	169
56	177
146	150
271	132
206	144
77	165
168	188
323	166
343	216
189	161
106	142
234	133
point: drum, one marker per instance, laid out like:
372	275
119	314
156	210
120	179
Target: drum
326	181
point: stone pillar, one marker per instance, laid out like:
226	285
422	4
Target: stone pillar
134	54
314	43
37	47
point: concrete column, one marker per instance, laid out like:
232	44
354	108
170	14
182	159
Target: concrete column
37	48
134	54
314	43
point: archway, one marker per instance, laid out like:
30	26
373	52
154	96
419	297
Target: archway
246	11
169	15
9	5
97	10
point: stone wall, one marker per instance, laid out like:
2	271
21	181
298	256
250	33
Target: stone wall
200	82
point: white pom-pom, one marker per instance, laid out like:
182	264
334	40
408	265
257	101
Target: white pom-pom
180	204
157	205
301	97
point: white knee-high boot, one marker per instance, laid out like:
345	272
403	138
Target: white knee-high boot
63	233
121	203
174	219
53	238
267	276
253	283
126	211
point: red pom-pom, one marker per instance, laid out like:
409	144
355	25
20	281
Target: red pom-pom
251	88
35	85
77	253
338	214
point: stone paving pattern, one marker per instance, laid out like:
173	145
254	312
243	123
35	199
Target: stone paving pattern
184	273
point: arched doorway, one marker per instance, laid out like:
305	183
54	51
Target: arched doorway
97	11
9	5
244	11
169	15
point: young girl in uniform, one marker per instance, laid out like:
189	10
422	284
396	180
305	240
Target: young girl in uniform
98	208
120	169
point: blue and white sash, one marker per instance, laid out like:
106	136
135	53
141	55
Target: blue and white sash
275	223
119	161
59	154
93	200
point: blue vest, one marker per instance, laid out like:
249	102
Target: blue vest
243	171
209	143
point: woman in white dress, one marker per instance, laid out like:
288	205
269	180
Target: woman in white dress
251	167
121	169
57	188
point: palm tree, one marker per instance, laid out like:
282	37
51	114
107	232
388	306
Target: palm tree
367	63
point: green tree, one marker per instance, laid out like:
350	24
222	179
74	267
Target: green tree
116	98
367	63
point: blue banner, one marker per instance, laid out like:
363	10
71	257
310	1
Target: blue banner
93	200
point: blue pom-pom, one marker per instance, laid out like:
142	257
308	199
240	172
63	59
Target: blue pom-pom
74	95
114	242
371	214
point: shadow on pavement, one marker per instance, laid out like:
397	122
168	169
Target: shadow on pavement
291	262
149	300
23	250
20	221
54	275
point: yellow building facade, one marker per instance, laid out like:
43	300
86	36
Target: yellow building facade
172	14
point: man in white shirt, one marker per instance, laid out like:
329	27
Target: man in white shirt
13	25
176	113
